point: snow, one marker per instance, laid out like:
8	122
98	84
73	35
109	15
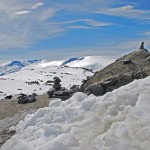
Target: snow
51	63
70	71
94	63
16	83
119	120
14	66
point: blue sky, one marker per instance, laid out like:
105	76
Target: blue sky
58	29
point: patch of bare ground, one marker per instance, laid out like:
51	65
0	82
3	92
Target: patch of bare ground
11	113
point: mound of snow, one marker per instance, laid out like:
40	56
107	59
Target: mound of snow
116	121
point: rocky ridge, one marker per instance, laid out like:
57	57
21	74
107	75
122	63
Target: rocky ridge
135	65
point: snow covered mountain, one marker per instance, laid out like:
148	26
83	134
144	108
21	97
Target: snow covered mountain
14	66
33	78
94	63
119	120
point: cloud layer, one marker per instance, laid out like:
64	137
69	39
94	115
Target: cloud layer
25	22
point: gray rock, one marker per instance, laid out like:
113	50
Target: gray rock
142	45
128	61
140	74
27	99
97	90
57	86
56	80
118	74
50	93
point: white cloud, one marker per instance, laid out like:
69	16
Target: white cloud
81	27
23	22
147	33
37	5
89	22
22	12
128	11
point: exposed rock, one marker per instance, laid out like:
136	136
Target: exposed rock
142	45
50	93
62	93
8	97
27	99
33	82
135	65
128	61
148	59
96	90
49	82
56	80
57	85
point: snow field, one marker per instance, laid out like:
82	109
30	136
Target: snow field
95	63
16	83
119	120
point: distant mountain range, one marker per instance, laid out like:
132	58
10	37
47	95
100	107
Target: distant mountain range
14	66
94	63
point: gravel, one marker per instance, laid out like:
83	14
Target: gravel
11	113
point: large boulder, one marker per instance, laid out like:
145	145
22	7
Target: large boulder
135	65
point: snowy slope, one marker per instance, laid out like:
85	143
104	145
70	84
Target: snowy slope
21	81
116	121
14	66
91	62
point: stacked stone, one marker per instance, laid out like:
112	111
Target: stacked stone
57	85
142	45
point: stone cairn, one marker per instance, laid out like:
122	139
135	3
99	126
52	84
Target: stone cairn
142	45
57	85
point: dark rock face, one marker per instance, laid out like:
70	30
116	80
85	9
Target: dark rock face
135	65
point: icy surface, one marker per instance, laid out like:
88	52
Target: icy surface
119	120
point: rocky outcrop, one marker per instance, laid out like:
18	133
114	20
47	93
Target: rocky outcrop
61	92
135	65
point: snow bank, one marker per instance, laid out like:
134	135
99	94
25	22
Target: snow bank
116	121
